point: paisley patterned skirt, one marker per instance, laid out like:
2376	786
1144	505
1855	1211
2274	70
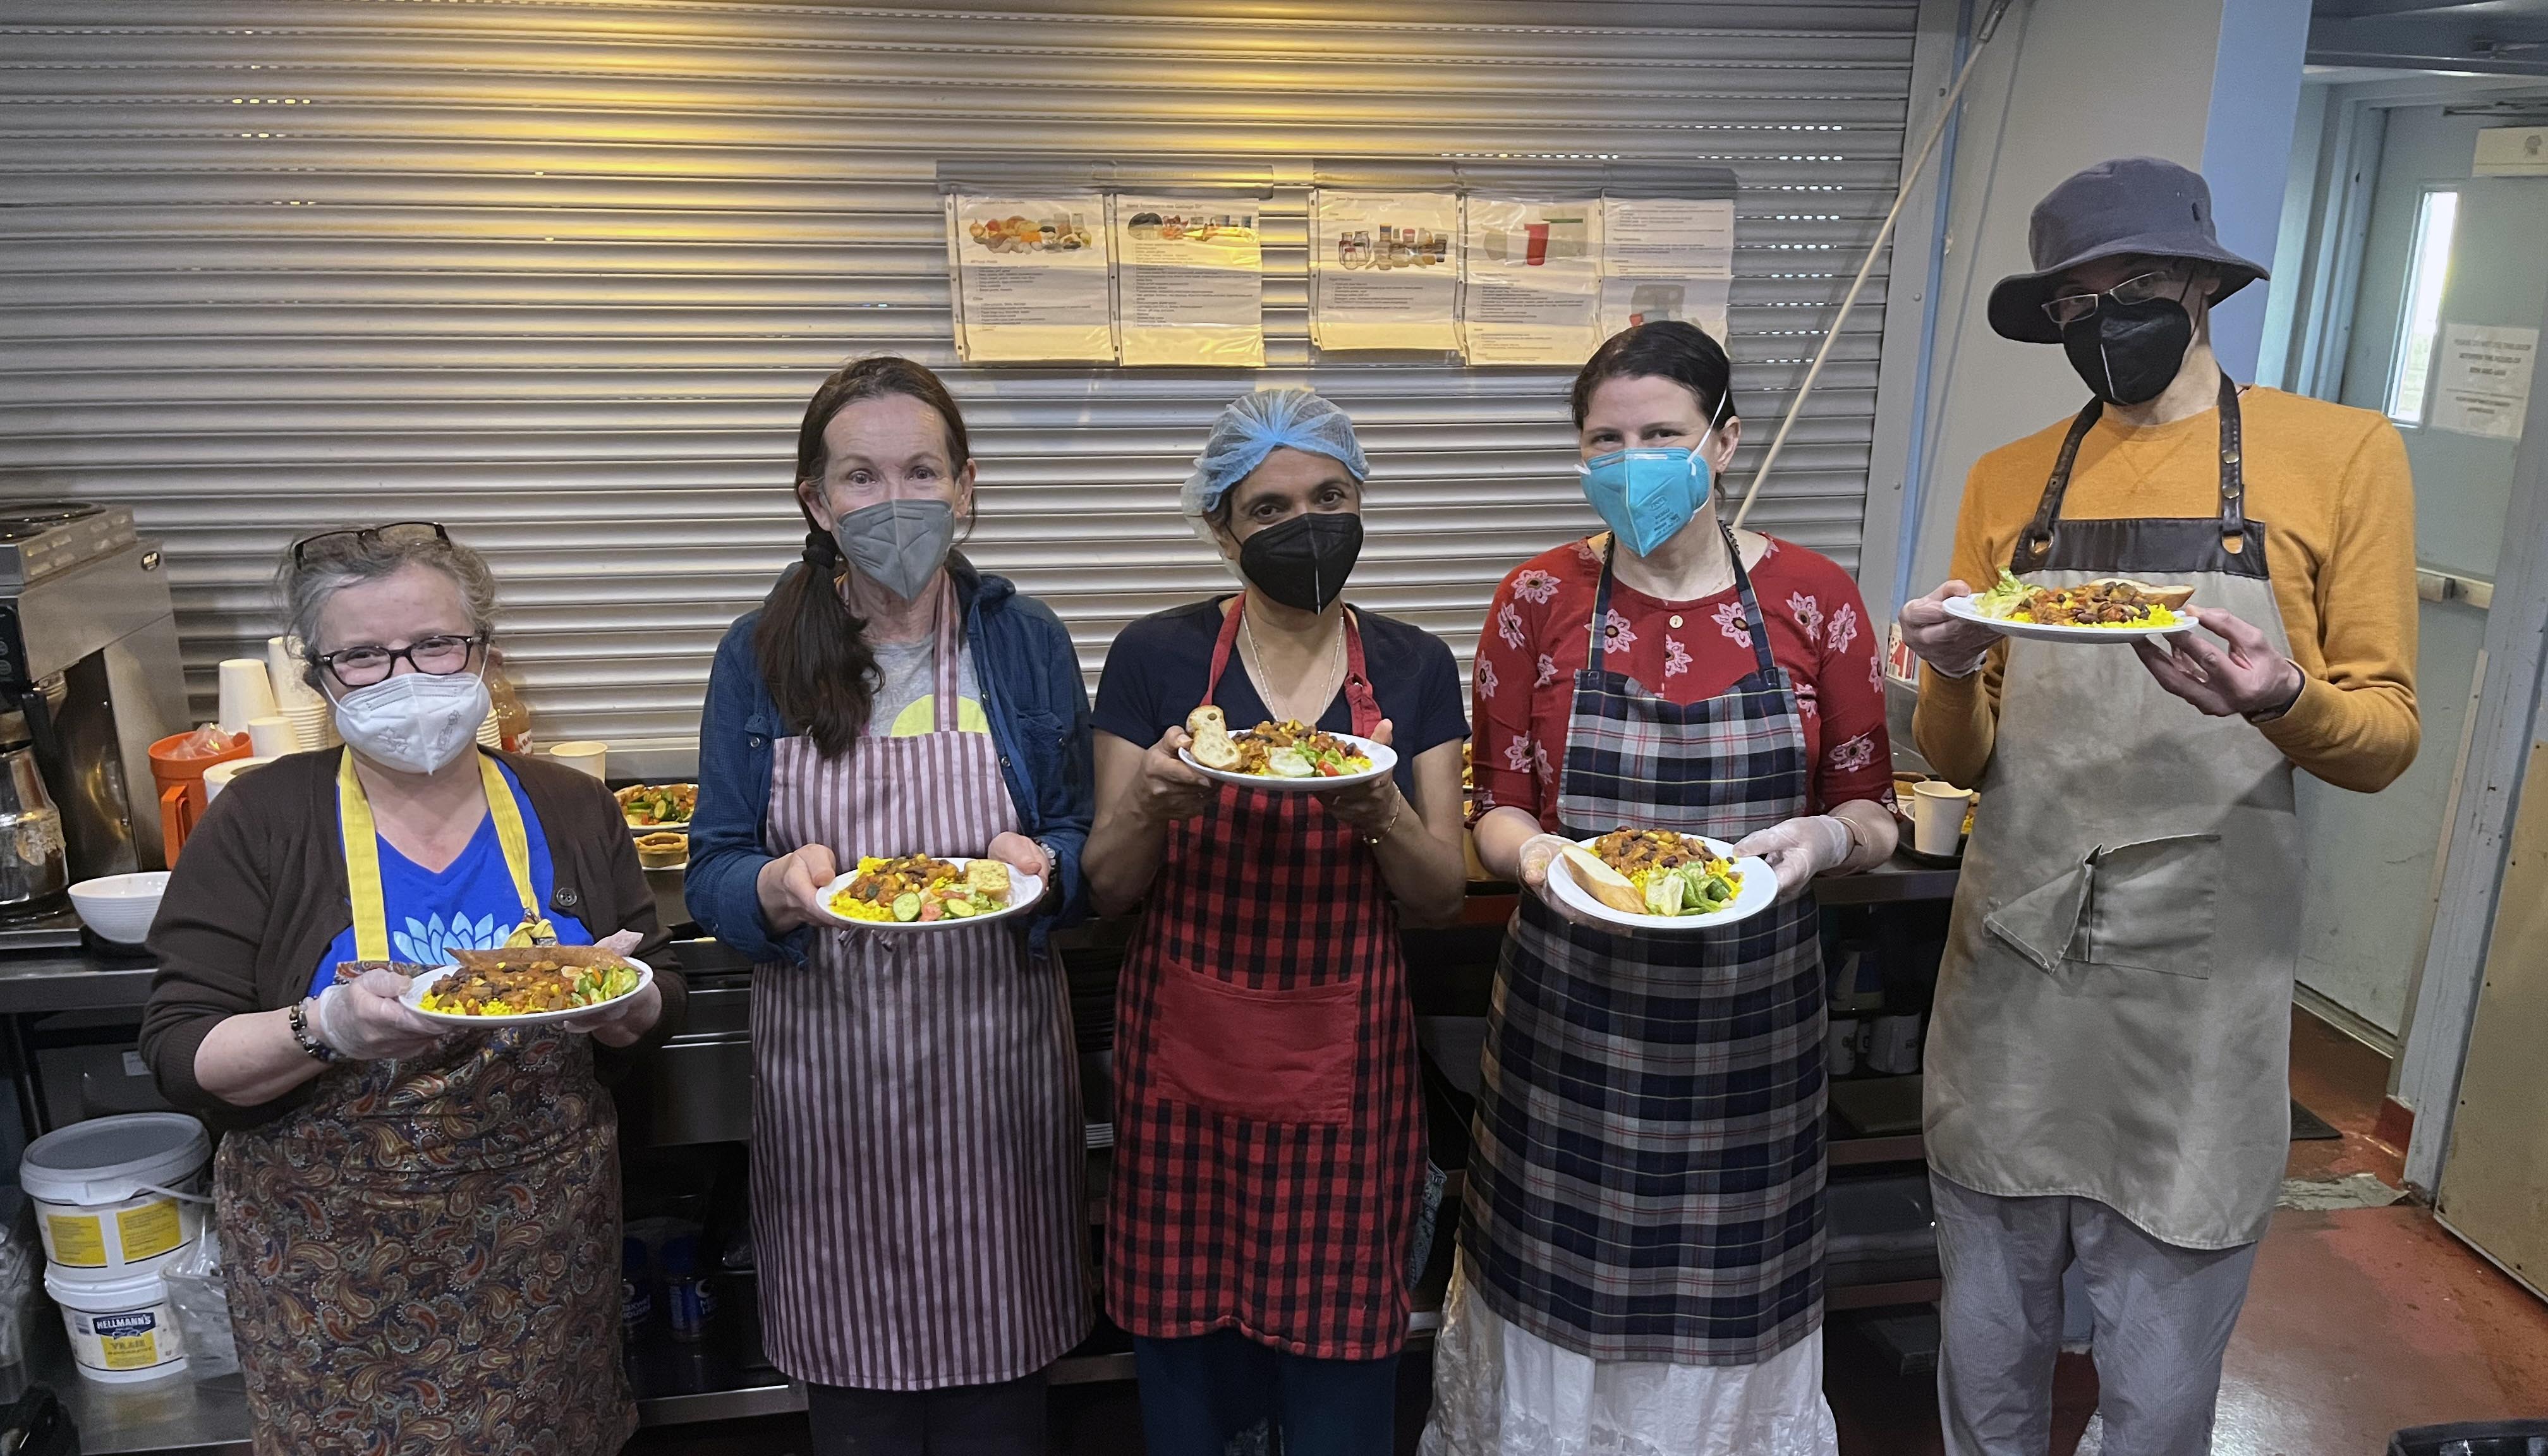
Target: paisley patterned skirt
425	1258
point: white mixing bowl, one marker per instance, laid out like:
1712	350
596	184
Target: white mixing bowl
120	907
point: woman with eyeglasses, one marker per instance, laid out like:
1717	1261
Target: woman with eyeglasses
917	1131
419	1228
1641	1248
1269	1165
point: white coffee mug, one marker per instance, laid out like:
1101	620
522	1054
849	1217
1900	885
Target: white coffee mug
585	754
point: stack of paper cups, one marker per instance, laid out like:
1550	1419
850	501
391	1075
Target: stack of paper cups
283	664
246	692
272	737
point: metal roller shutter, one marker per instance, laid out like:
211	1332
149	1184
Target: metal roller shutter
562	275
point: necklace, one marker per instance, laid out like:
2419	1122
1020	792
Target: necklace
1265	679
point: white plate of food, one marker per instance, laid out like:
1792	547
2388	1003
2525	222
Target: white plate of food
917	892
649	807
1699	878
582	976
2108	610
1289	757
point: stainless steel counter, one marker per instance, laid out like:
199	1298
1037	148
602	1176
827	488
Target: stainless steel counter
41	982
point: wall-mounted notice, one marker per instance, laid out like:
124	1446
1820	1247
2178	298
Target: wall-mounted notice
1382	274
2484	387
1031	277
1666	258
1188	281
1533	272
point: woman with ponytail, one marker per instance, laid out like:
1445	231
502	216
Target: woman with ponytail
917	1147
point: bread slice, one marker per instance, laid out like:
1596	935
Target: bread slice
988	880
2174	599
1606	885
1212	746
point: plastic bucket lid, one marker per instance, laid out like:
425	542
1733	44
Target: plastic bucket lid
105	1296
110	1160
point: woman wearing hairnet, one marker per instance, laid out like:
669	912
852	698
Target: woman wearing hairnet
1641	1252
1268	1163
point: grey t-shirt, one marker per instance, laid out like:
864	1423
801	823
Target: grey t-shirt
905	699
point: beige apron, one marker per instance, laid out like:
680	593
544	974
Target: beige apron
2113	1016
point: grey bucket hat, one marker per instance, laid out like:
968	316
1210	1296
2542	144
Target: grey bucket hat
2129	204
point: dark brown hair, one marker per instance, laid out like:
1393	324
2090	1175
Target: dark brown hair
1664	349
814	655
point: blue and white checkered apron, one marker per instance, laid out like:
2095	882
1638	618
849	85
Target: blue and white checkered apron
1648	1174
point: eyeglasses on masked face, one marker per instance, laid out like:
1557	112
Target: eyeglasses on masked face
2140	288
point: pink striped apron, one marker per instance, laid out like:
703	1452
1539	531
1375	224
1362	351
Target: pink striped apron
917	1141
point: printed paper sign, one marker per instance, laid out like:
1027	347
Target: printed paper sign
2485	379
1383	274
1666	258
1031	279
1188	281
1533	273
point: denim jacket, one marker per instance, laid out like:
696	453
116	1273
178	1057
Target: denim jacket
1037	707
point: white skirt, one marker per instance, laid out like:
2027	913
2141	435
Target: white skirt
1501	1391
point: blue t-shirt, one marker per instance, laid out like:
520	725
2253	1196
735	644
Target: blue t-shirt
1155	676
470	906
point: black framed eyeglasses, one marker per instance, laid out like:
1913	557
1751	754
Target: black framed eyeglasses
2140	288
439	656
396	530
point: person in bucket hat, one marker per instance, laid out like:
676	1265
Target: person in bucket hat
2107	1062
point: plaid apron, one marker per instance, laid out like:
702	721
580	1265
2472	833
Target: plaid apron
917	1138
1648	1171
1268	1160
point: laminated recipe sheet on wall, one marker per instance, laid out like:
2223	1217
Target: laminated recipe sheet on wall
1188	281
1533	276
1666	258
1031	279
1383	270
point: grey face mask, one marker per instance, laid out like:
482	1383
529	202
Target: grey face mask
898	544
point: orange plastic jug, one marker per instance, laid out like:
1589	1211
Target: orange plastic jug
177	764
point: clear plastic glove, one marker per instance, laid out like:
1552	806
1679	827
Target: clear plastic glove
624	1021
1799	849
363	1020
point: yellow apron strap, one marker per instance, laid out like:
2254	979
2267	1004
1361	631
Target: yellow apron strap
362	864
534	930
363	859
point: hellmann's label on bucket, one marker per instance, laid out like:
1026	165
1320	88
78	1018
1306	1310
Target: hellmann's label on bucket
78	1240
127	1341
150	1230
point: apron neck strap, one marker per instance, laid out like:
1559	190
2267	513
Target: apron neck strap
1359	697
1755	626
950	656
361	836
2035	543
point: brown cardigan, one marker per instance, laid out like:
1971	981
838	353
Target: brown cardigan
260	892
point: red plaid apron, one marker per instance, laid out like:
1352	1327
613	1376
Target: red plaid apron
1267	1153
917	1134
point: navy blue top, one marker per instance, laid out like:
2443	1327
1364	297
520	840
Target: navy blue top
1154	675
1037	705
470	906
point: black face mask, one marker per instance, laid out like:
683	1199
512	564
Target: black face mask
2129	352
1302	562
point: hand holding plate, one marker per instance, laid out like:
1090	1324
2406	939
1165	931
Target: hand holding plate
1166	790
363	1020
2250	677
1951	645
1020	854
790	888
1799	849
1368	807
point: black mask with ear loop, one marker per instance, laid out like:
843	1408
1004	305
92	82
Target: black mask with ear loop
1302	562
2130	352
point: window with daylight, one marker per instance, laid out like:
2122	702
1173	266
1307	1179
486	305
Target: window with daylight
2419	323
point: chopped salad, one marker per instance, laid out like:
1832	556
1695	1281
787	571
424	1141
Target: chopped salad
1675	873
519	988
911	888
1293	750
2112	602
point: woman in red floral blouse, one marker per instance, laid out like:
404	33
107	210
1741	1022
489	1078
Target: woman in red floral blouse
1641	1237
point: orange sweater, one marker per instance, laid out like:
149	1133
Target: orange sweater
2330	486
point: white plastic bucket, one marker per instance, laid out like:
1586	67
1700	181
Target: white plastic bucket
123	1330
95	1188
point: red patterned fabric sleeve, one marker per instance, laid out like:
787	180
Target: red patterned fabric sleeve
1856	753
1503	747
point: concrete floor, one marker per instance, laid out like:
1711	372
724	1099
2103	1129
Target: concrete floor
2359	1321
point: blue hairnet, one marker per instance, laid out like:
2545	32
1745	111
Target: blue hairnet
1253	428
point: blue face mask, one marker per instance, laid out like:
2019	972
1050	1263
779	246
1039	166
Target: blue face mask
1645	496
